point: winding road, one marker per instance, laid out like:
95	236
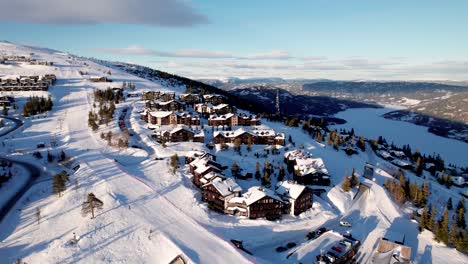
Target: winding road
34	172
18	123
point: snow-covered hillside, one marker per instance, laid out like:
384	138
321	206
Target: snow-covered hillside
151	215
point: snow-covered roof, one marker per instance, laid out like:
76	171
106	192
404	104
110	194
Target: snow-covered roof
220	106
226	187
242	130
384	153
289	189
400	162
221	117
207	178
256	193
160	114
179	128
310	166
297	154
237	200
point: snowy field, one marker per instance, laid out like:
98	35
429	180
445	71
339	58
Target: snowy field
151	215
370	124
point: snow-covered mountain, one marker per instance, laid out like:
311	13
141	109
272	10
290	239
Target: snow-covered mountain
153	215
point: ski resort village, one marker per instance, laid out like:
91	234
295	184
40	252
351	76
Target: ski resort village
110	162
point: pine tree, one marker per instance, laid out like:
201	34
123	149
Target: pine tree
432	219
460	214
354	180
425	192
361	144
346	185
58	184
266	180
91	205
443	228
424	219
419	166
62	155
257	171
174	163
462	241
449	203
281	173
235	169
453	235
50	157
38	215
461	222
237	145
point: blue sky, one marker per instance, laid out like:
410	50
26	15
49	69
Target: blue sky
291	39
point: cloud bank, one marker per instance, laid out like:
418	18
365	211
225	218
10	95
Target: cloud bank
280	63
193	53
168	13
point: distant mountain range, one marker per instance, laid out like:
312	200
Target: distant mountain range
442	99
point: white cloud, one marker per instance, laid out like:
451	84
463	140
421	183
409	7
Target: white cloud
185	53
344	69
193	53
272	55
148	12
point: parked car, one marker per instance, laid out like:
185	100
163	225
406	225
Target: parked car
337	249
345	223
347	234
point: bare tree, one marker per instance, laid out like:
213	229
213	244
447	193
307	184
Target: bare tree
91	204
38	214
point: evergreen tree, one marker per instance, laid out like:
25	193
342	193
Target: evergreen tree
461	222
235	169
58	184
449	203
281	173
354	180
424	224
257	171
424	192
91	205
237	145
346	185
419	166
460	214
443	228
361	144
462	241
432	219
453	235
266	180
38	215
174	163
62	156
50	157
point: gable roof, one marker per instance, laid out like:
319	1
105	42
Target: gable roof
225	187
160	114
256	193
290	189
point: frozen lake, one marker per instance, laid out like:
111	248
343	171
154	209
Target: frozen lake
370	123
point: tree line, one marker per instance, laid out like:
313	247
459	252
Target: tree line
37	105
